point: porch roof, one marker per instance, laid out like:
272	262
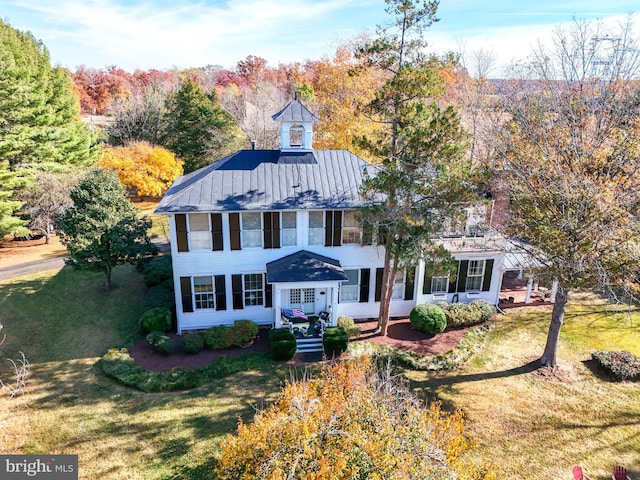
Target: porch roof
304	266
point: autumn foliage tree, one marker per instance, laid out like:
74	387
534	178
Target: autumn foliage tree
352	422
143	169
569	155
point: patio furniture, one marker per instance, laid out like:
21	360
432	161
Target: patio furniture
578	474
620	473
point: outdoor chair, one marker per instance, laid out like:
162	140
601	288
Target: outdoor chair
578	475
620	473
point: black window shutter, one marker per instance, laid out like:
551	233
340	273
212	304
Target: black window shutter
268	293
267	232
337	228
488	271
185	291
365	276
216	231
221	292
275	226
237	296
181	232
234	231
426	285
462	275
410	281
379	275
453	280
328	228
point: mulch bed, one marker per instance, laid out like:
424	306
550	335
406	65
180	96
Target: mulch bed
400	335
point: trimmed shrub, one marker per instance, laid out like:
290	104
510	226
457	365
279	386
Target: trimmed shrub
428	318
335	341
156	319
620	364
217	338
117	363
159	296
160	343
157	270
487	310
350	326
467	314
243	332
282	344
192	343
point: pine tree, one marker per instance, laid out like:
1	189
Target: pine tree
40	126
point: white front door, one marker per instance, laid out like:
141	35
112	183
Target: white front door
321	300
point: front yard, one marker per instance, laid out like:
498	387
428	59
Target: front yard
530	425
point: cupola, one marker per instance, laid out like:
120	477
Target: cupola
296	127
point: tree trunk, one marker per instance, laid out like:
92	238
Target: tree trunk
388	279
107	273
548	358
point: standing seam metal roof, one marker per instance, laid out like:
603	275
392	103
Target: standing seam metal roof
271	180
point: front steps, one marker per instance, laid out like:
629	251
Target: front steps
309	344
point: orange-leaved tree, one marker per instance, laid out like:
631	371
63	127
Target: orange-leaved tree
143	169
352	421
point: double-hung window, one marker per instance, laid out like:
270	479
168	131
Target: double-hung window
199	231
439	285
398	285
475	274
251	230
253	289
203	292
316	227
288	232
350	227
350	290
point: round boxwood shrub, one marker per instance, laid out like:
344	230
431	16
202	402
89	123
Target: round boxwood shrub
335	341
282	344
192	343
350	326
243	332
156	319
428	318
217	338
160	343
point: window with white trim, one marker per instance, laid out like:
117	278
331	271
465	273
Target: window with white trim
439	285
203	292
475	275
199	231
251	229
253	289
350	227
398	285
316	227
296	134
288	233
350	290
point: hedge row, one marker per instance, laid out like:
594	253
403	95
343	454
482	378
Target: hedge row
118	364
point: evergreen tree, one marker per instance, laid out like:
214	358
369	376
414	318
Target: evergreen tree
40	126
198	130
102	229
420	144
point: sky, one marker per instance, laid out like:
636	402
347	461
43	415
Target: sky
165	34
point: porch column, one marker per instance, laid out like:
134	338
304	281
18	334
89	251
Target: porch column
554	291
277	307
527	298
333	307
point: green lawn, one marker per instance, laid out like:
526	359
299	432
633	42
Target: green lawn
530	425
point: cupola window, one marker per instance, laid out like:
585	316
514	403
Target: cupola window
296	134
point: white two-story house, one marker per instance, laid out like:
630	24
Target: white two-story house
264	230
